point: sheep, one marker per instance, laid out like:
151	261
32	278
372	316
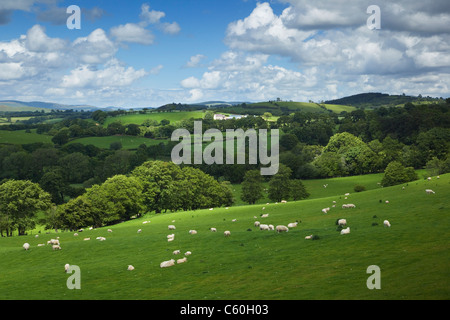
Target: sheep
263	227
187	253
386	223
192	231
325	210
56	247
101	238
387	201
181	260
66	267
176	252
53	241
257	223
349	205
281	228
345	231
234	220
130	268
265	215
139	231
271	227
170	239
171	227
145	222
41	244
227	233
213	229
309	237
283	201
292	224
342	222
26	246
109	230
170	236
166	264
36	236
75	234
429	191
86	239
429	178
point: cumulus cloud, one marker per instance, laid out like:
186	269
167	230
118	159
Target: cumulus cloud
132	32
195	61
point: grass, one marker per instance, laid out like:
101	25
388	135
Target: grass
158	116
21	137
258	265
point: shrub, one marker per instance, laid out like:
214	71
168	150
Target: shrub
359	188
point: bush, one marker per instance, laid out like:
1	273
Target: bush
359	188
395	173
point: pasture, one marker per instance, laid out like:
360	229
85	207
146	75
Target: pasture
413	254
157	116
22	137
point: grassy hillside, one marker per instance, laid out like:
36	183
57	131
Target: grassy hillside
413	254
158	116
21	137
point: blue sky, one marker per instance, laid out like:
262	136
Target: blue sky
148	53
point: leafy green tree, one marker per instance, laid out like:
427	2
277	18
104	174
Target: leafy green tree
252	187
395	173
61	137
53	182
279	184
298	190
20	201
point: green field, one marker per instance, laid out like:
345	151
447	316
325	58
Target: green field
158	116
413	254
21	137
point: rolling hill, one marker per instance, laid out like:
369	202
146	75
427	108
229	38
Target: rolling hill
413	254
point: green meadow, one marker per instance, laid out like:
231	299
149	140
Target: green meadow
157	116
413	254
22	137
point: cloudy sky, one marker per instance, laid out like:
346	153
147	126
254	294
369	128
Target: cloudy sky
148	53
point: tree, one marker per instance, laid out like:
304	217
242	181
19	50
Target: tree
252	187
279	184
54	183
62	137
298	190
20	200
395	173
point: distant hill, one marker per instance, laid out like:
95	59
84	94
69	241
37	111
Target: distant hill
14	105
375	100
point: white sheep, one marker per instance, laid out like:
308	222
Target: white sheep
271	227
26	246
109	230
309	237
429	191
166	264
342	222
283	201
345	231
176	252
171	227
139	231
86	239
170	236
66	267
53	241
192	231
181	260
292	224
386	223
281	228
227	233
130	268
349	205
257	223
213	229
101	238
263	227
56	247
187	253
265	215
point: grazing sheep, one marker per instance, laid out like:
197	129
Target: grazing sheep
139	231
271	227
429	178
386	223
429	191
187	253
263	227
257	223
342	222
192	231
170	236
41	244
36	236
309	237
171	227
349	205
227	233
292	224
101	238
130	268
145	222
325	210
181	260
66	267
170	239
166	264
281	228
109	230
86	239
213	229
387	201
53	241
234	220
283	201
345	231
265	215
176	252
26	246
56	247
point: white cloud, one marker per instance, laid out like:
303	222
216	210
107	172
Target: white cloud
132	33
38	41
94	49
150	16
194	61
